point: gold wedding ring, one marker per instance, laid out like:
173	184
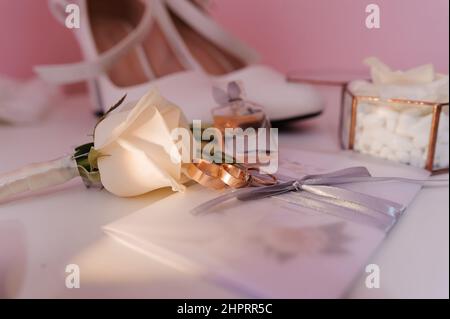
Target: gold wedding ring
218	176
205	173
234	176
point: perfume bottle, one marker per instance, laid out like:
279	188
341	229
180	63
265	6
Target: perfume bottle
236	112
244	125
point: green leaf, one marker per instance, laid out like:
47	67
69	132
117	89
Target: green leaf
86	157
93	158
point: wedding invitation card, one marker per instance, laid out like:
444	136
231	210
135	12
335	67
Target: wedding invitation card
273	247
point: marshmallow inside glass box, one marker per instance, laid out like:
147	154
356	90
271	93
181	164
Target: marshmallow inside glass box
402	116
408	131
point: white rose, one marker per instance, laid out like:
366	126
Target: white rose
135	142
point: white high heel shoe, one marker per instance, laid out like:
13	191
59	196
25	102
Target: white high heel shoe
197	44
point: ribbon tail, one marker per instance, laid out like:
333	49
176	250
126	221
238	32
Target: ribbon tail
207	206
268	191
245	194
323	179
330	206
357	201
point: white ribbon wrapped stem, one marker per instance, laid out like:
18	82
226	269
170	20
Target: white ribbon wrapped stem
37	176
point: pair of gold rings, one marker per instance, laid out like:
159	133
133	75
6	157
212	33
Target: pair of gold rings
219	176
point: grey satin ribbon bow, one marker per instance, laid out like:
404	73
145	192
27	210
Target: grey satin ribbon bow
320	192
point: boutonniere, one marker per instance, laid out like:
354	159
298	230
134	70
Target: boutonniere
131	153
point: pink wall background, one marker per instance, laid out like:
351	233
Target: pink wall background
332	34
290	34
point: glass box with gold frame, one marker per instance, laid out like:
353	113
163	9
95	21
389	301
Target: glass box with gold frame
411	132
406	131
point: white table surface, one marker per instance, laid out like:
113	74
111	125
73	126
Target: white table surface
40	235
